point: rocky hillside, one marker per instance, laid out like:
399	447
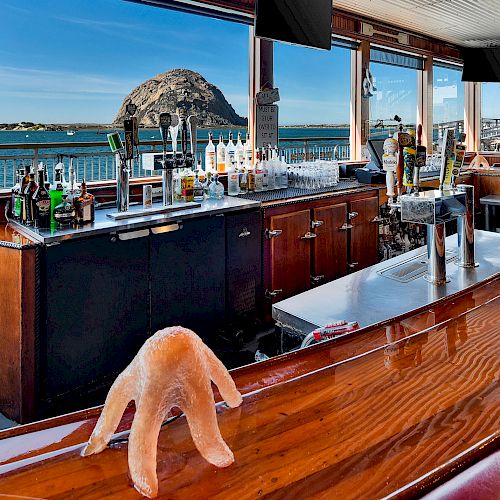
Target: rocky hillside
180	88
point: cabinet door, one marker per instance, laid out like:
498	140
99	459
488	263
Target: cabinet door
364	233
330	246
96	313
243	265
290	254
187	276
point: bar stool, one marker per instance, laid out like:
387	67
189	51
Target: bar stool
489	203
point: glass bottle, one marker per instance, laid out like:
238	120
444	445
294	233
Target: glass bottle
84	206
243	180
259	174
210	158
64	213
41	202
199	170
24	182
233	180
240	154
187	184
198	192
216	189
221	155
271	179
15	203
28	209
230	152
56	189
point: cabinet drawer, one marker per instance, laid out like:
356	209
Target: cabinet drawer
364	233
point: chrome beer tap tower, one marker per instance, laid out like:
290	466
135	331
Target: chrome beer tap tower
167	161
436	207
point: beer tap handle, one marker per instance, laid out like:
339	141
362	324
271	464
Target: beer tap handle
174	131
193	125
399	170
165	122
184	137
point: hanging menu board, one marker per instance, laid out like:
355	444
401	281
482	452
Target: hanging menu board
266	118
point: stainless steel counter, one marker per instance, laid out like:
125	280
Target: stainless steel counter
388	289
104	225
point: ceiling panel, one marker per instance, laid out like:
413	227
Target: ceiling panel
471	23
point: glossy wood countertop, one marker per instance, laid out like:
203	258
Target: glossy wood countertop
385	411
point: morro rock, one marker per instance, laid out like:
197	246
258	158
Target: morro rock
180	88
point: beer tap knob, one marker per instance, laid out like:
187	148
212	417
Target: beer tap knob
193	126
174	131
165	123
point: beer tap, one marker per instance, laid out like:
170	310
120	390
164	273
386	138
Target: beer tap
174	132
165	120
193	136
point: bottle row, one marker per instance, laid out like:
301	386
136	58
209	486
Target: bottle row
36	202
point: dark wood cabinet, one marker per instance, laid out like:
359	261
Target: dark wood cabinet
314	241
364	233
187	275
243	266
93	306
330	246
290	254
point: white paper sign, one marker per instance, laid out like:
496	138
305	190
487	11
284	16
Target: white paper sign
268	97
266	118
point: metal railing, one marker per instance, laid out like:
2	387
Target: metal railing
93	161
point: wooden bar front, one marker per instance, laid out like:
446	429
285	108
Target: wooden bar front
391	409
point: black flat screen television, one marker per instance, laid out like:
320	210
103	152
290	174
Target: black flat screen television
481	64
376	149
301	22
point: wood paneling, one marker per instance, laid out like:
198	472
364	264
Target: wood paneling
399	417
290	254
17	311
364	233
330	247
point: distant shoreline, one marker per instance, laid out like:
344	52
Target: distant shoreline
62	127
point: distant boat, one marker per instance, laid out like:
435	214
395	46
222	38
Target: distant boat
70	132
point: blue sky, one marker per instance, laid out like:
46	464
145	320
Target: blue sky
74	61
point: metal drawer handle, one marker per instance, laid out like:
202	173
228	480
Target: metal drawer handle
132	235
352	265
270	294
317	279
272	233
352	215
316	223
308	236
377	219
244	233
166	229
345	227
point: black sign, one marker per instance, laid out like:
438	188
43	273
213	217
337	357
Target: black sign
131	108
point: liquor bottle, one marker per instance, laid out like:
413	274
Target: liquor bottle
216	189
177	176
248	151
187	184
243	180
259	174
233	180
24	182
56	189
41	202
64	213
199	170
46	182
84	206
271	181
15	203
240	153
265	170
230	152
210	159
28	209
198	191
221	156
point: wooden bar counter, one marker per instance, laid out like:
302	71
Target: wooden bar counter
387	411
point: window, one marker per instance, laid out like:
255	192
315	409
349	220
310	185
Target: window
315	91
396	94
448	100
490	117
